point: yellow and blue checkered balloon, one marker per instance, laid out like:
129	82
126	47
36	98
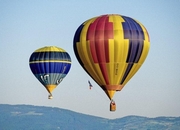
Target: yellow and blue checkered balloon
111	48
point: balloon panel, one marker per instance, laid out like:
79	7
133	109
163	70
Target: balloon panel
43	56
50	67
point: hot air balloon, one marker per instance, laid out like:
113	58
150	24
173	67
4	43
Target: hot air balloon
111	48
50	65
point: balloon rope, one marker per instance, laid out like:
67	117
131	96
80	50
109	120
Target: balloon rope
100	94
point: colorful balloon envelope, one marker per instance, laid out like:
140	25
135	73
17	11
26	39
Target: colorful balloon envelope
50	65
111	49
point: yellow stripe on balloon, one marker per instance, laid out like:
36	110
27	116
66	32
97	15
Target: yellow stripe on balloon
61	61
50	48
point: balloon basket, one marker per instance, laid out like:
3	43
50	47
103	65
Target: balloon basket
112	106
50	96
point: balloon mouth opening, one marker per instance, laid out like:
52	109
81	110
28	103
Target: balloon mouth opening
112	87
50	87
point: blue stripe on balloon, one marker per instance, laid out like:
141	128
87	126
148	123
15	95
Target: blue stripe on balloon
78	33
133	32
75	41
50	67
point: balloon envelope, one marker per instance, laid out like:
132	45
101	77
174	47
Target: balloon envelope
111	49
50	65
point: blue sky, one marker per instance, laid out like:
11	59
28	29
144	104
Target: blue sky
28	25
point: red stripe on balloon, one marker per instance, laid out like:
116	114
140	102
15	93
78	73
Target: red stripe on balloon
91	39
99	33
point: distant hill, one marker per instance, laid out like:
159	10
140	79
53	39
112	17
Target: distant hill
28	117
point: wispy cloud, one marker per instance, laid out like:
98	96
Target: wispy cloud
28	113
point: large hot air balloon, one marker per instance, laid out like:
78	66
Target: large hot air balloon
111	48
50	65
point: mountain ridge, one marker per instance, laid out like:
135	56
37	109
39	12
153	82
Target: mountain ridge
30	117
